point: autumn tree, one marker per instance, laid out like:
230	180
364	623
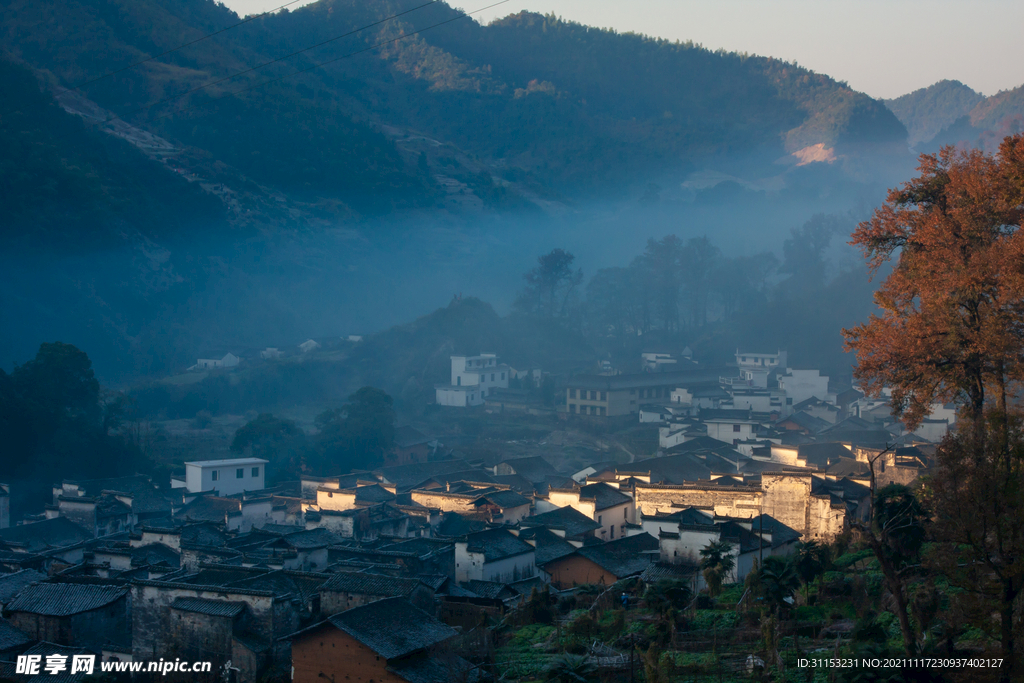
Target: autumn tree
950	327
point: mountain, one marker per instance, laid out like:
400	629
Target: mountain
950	113
527	111
987	123
927	111
150	219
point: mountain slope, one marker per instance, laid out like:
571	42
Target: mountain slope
529	106
928	110
63	179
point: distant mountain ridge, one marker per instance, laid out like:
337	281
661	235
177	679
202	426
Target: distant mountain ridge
927	111
951	113
523	112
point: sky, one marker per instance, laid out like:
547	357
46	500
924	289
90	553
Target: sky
884	48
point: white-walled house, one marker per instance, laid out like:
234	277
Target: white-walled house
229	360
227	477
800	385
761	361
494	555
473	379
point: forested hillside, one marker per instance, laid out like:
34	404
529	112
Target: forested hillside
530	106
928	110
950	113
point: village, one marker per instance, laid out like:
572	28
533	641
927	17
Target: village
433	566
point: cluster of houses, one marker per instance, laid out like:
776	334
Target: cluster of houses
231	359
380	575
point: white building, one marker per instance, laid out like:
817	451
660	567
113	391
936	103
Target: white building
800	385
229	360
761	361
227	477
473	378
309	345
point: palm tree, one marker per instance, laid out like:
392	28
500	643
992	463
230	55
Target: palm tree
716	562
779	580
568	668
811	560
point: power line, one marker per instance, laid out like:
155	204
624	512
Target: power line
307	69
180	47
278	59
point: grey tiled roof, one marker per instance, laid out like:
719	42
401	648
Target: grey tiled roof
393	627
12	637
506	499
496	544
607	496
533	468
64	599
490	589
309	539
623	557
12	584
370	584
49	533
213	608
567	519
433	670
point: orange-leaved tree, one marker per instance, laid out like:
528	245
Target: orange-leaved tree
951	327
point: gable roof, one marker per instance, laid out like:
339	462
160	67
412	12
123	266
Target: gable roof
503	499
534	468
58	532
12	637
496	544
146	498
548	546
65	599
805	421
606	496
779	531
409	476
622	557
392	627
370	584
454	525
674	469
12	584
567	519
407	436
212	608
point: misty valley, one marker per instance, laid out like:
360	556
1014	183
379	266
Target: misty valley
373	341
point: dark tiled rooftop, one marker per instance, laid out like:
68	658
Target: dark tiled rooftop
64	599
393	627
213	608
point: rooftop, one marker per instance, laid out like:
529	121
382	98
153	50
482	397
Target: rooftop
370	584
65	599
496	544
227	462
567	519
392	627
212	608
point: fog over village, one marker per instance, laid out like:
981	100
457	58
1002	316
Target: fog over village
373	341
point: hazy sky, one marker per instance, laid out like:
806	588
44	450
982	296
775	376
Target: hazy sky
882	47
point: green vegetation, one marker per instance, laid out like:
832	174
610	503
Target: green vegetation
532	103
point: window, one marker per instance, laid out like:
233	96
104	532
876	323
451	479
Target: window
255	472
240	473
503	375
458	381
492	376
735	428
613	532
213	475
624	513
599	519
